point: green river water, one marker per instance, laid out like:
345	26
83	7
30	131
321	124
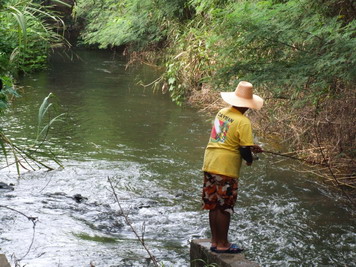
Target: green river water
153	151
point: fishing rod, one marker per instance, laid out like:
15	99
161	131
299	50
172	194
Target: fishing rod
291	157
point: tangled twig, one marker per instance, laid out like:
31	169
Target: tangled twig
30	218
127	220
317	139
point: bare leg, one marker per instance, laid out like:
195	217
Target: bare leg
219	225
212	222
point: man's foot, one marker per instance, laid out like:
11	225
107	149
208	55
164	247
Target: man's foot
213	246
233	249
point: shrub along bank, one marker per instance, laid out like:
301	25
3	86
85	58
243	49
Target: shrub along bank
299	54
26	34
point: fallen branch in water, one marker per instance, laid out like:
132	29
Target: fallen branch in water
127	220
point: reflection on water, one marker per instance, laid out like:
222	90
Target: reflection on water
152	150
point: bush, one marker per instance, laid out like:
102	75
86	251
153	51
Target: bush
26	34
139	23
292	47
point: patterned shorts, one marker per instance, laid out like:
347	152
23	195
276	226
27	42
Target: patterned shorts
219	191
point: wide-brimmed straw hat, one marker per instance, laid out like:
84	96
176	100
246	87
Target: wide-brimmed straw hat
243	97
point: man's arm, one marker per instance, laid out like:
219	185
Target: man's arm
246	153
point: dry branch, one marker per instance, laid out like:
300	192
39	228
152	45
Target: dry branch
34	221
127	220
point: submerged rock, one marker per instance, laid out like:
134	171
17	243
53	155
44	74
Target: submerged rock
98	216
4	186
79	198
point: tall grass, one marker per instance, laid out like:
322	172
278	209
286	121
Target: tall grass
28	30
27	33
32	156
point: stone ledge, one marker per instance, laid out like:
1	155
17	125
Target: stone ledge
200	256
3	261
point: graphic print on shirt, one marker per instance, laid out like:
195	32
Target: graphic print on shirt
219	131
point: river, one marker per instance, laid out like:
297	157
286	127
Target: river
152	150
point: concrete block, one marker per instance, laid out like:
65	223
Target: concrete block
200	256
3	261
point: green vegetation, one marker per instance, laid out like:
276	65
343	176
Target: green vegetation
299	54
139	23
96	238
27	32
30	156
289	46
292	45
26	35
5	91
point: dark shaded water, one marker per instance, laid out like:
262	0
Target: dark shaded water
152	150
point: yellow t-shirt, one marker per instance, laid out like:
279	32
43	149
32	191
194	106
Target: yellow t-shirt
231	130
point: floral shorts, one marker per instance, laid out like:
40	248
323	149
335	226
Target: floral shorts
219	191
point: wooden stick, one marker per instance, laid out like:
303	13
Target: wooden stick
127	220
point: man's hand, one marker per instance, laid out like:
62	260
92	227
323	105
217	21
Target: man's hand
256	149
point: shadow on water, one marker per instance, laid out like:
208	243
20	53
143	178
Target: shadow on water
153	151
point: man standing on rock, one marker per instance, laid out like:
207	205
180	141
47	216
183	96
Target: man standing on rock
230	141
